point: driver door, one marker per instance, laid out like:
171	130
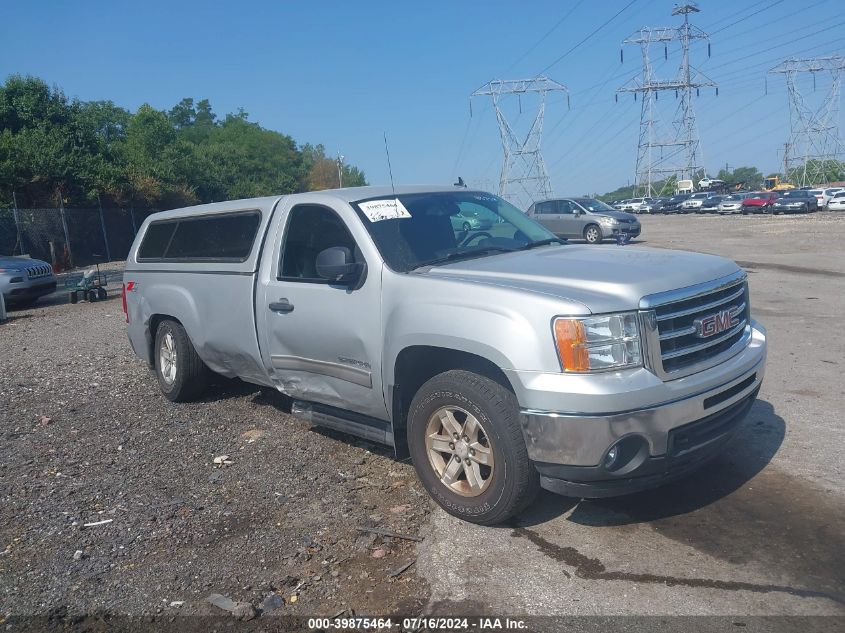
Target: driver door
321	341
571	224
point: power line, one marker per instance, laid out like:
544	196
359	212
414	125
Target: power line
750	15
542	39
587	38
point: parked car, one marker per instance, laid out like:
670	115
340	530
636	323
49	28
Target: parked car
731	204
694	202
829	193
709	183
583	218
654	206
499	364
673	204
837	201
819	194
760	202
627	205
24	280
796	201
637	205
471	219
711	204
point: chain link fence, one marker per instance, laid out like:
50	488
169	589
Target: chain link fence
70	238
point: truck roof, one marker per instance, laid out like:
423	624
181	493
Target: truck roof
349	194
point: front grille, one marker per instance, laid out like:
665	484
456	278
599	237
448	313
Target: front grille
41	270
680	339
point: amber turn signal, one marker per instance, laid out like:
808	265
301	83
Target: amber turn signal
571	338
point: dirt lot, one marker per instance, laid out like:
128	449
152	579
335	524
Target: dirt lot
86	438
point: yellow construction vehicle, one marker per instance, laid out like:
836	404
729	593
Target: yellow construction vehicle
773	183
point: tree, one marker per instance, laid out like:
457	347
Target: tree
751	176
54	149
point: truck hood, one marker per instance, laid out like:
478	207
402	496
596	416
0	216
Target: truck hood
603	278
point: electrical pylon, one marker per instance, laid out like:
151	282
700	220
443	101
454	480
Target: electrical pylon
523	164
813	131
657	155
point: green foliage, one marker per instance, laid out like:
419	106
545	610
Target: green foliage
822	171
54	149
751	176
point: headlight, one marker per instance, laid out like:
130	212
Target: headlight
586	344
607	220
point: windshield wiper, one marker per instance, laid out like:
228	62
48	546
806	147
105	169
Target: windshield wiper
550	240
464	255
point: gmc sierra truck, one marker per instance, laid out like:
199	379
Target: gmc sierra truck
500	360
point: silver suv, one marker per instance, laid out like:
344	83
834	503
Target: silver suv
24	280
584	218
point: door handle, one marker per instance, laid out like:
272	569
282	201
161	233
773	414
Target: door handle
282	305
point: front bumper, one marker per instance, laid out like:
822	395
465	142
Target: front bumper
612	231
28	290
570	445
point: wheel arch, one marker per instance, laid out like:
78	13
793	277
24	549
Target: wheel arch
416	364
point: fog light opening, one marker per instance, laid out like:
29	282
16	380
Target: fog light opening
625	455
611	457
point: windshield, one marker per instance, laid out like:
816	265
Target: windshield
433	228
593	205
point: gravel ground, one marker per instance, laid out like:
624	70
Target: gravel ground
87	438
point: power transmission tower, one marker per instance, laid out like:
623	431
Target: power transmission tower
523	166
657	154
814	131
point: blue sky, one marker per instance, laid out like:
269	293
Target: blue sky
343	73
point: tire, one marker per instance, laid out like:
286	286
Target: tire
73	297
102	294
460	399
92	296
592	233
184	377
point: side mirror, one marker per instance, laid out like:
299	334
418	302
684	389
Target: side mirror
336	265
576	212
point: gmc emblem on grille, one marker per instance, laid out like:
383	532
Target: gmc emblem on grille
713	324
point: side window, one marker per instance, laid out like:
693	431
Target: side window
156	239
223	237
547	208
310	230
565	206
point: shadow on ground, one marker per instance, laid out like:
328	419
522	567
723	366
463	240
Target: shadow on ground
738	508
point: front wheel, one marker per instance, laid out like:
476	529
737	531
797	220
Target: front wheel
181	374
467	447
592	233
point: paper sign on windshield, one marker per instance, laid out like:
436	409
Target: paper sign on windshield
378	210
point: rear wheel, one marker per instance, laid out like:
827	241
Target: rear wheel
102	294
73	296
467	447
592	233
181	374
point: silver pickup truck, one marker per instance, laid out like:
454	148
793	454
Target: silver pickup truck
500	360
